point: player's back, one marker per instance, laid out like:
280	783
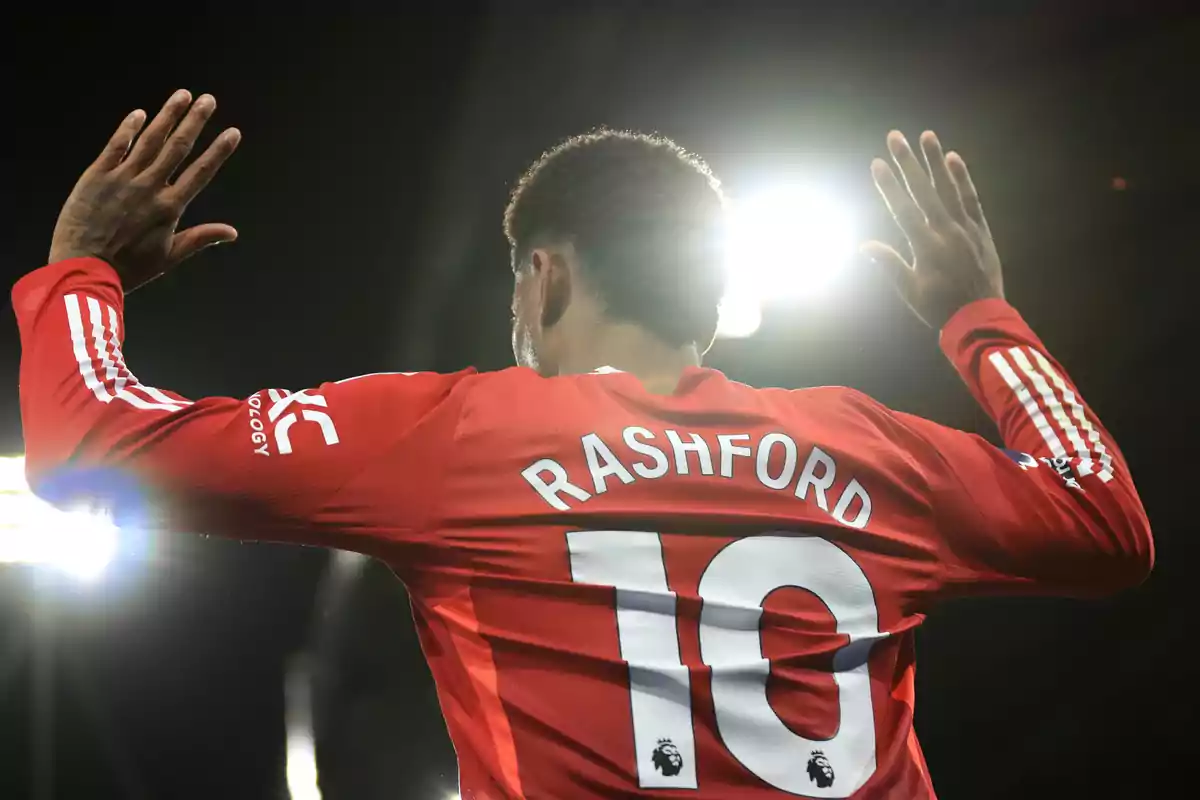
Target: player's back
708	594
714	590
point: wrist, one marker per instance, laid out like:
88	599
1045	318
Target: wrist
975	315
66	254
953	303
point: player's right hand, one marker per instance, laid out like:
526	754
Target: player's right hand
125	208
954	257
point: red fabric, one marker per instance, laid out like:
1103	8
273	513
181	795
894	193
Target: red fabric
763	624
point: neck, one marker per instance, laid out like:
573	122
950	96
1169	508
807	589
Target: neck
630	349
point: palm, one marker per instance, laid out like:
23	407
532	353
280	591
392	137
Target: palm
954	256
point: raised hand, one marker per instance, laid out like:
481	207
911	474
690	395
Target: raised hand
125	208
954	258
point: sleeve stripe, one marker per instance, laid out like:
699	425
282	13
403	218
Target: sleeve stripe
1080	415
115	340
128	377
161	396
80	348
1027	400
100	340
1050	399
114	384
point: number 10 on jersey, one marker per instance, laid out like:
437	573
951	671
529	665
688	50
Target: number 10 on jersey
733	588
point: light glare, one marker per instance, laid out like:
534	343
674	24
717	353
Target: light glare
79	542
738	316
783	244
302	767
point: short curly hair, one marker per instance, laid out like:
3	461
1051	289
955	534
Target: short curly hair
645	217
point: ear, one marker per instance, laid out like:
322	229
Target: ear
553	276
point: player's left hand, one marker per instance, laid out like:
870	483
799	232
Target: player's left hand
954	257
125	208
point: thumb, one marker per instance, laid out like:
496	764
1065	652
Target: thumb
892	262
187	243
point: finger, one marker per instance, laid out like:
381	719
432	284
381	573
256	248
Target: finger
935	162
910	218
201	171
187	243
181	142
917	180
966	188
121	139
892	262
151	141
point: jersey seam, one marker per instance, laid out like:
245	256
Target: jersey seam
429	522
945	571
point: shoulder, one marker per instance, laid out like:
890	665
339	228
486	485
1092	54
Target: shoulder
824	400
492	384
401	380
398	385
841	397
849	413
400	395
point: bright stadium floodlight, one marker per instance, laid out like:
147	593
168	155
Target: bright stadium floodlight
80	542
302	767
739	315
301	750
782	244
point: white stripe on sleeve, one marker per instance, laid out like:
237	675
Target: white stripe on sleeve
83	358
113	385
118	358
1027	400
98	340
125	376
1050	399
1080	415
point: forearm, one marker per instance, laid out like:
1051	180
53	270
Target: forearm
91	427
1063	495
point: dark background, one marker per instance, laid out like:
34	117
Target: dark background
379	147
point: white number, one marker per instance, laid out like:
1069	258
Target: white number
733	588
660	691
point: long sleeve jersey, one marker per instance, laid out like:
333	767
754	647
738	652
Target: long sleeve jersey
710	594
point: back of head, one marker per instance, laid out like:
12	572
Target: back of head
645	218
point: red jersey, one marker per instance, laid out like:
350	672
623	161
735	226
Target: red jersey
707	595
